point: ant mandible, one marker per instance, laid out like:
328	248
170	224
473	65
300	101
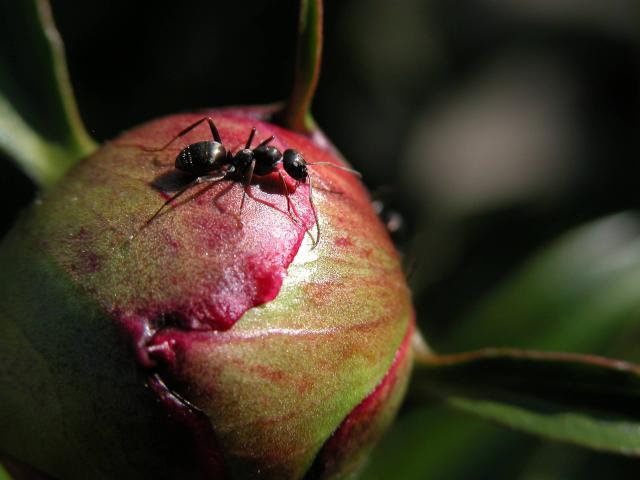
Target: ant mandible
210	161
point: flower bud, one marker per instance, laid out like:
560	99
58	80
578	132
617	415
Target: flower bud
212	341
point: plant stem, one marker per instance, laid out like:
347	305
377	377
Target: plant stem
296	113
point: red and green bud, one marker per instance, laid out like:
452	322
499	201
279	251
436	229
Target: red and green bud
212	342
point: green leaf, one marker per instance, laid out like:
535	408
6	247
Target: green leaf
581	399
40	128
296	113
4	475
579	294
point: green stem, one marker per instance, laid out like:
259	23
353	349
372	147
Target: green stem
296	113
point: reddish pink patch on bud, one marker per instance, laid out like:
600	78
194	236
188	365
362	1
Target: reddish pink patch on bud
343	242
202	262
251	249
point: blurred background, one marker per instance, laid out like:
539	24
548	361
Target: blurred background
500	136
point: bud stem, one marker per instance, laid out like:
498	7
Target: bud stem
296	113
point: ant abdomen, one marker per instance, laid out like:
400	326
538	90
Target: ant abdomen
201	158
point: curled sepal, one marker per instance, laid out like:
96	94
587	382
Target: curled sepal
585	400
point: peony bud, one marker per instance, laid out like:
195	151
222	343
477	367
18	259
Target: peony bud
211	342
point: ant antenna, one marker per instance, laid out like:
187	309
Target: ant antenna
346	169
315	214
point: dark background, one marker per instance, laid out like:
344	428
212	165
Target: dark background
491	126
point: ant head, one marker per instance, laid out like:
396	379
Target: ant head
295	164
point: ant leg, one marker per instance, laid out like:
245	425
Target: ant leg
251	135
214	131
290	206
197	181
326	188
212	126
266	141
247	184
220	208
270	205
246	192
219	195
315	214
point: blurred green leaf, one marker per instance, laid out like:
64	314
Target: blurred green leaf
437	443
581	399
40	128
4	475
578	294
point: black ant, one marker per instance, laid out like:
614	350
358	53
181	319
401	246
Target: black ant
209	161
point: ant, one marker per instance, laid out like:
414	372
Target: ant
210	161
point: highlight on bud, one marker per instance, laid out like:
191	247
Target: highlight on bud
215	341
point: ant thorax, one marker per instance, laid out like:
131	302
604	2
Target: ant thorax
242	160
266	157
